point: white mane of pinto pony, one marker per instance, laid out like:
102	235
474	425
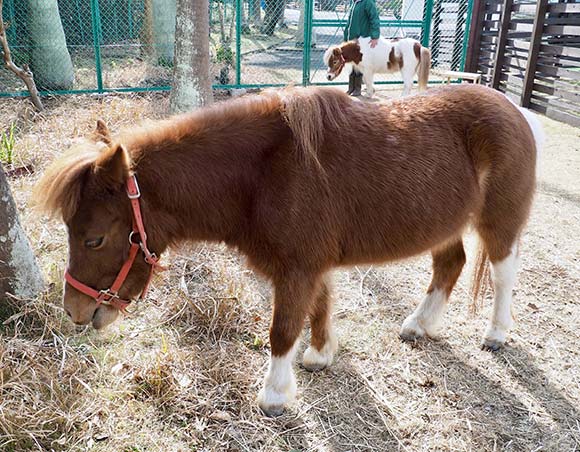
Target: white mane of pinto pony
388	56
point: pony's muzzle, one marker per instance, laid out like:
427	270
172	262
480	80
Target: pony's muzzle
330	76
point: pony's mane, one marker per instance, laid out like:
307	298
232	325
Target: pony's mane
310	113
313	112
59	190
214	119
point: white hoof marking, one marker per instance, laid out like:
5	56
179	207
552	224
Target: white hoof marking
279	384
314	359
427	318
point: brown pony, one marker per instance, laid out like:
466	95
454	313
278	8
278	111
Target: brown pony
302	181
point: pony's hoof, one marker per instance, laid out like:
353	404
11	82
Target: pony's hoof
315	360
411	331
491	346
272	401
494	339
273	410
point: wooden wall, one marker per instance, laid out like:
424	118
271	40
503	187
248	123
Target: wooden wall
530	51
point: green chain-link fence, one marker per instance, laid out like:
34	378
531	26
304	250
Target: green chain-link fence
76	46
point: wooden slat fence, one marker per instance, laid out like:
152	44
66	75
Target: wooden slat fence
531	51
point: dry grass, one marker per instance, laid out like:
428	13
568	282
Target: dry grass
181	374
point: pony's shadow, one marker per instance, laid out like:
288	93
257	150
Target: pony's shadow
498	419
520	365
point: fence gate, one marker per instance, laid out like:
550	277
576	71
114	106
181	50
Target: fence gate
92	46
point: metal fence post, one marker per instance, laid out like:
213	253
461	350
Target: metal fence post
426	26
466	34
96	20
437	22
238	43
458	36
308	13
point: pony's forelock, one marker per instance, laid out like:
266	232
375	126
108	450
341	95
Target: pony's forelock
59	190
327	54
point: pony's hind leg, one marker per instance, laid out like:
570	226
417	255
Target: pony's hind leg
407	74
503	275
448	261
292	297
501	246
499	226
323	344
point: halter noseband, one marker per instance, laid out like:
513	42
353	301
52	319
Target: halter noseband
138	240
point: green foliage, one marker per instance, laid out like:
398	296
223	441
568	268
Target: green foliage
7	145
225	54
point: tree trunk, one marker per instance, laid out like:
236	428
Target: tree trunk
191	81
274	9
50	60
23	73
163	15
19	274
255	11
281	23
300	31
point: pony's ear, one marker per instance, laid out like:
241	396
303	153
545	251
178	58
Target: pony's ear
337	51
102	133
112	166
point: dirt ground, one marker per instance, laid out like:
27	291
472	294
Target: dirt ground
182	373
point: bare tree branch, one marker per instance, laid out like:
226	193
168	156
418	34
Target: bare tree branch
25	74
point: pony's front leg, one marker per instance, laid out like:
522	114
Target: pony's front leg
368	78
292	297
323	343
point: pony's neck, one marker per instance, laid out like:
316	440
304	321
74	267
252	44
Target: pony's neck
201	185
351	52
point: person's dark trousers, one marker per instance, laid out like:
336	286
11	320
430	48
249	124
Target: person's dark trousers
355	83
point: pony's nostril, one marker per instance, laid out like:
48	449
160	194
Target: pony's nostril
329	77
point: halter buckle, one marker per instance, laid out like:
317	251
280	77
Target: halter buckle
135	195
105	296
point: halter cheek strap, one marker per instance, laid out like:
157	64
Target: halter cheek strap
138	241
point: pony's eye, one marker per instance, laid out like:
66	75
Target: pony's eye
94	243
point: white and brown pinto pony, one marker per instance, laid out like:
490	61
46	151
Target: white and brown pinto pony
302	181
406	55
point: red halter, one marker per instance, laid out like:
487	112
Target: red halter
110	296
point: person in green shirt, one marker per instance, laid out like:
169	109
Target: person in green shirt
363	21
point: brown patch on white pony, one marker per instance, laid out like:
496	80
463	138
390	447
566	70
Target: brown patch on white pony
417	50
395	62
351	52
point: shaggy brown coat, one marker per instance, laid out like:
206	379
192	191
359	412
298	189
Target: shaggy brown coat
302	181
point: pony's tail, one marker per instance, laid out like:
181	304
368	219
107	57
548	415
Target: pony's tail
424	67
480	281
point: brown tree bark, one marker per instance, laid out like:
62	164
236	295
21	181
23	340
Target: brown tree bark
191	80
